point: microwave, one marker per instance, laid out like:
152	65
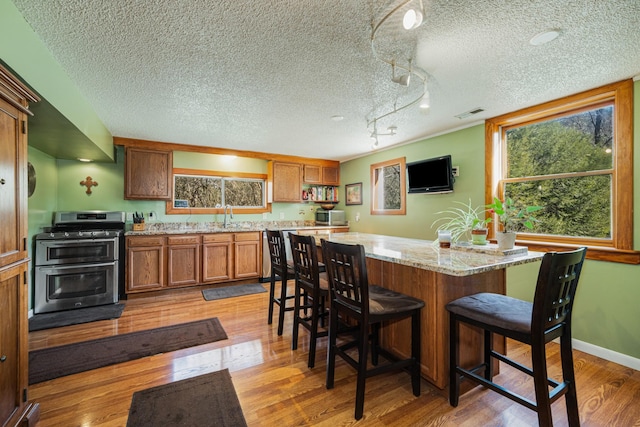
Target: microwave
331	217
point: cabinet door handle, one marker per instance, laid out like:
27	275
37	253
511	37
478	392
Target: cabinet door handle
3	358
2	181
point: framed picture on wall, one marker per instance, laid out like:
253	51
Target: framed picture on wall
354	194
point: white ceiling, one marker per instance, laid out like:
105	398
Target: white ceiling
268	75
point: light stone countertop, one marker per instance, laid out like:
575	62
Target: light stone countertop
425	255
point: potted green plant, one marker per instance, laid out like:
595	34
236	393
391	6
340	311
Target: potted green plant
461	221
510	217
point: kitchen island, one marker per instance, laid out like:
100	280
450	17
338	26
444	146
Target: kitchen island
437	276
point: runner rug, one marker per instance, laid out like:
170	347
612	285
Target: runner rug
232	291
205	400
54	362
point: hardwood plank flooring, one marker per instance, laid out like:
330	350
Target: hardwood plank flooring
275	387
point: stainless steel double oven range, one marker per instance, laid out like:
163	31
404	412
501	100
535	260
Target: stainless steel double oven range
80	261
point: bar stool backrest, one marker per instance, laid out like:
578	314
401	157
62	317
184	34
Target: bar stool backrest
347	272
277	250
555	291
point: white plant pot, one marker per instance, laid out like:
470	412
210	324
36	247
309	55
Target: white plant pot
506	240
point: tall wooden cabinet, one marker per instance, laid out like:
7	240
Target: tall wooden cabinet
15	407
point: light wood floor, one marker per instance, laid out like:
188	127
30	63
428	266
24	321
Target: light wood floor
275	387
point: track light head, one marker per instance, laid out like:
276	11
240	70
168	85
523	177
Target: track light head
402	80
412	19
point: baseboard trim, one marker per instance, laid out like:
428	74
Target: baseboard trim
604	353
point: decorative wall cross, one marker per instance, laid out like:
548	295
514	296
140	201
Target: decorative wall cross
89	182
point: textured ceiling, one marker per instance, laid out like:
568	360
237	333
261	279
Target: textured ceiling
268	75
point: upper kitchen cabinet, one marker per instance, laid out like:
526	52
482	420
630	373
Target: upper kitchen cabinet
323	175
286	181
148	174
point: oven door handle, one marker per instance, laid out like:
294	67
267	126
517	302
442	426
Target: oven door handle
76	266
62	242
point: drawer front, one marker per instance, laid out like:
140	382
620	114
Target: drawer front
218	237
248	236
133	241
183	240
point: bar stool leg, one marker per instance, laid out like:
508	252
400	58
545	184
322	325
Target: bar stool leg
571	399
283	304
331	347
415	353
363	345
454	360
272	295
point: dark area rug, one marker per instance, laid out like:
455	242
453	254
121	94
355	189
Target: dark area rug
74	317
232	291
54	362
205	400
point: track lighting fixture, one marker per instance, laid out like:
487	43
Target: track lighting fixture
412	18
412	92
425	102
401	80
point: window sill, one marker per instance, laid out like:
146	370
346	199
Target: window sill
597	253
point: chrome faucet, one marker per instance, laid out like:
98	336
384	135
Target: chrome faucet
226	222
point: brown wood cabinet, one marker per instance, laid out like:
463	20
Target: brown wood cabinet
247	255
287	181
148	174
183	260
145	263
191	260
217	257
323	175
15	408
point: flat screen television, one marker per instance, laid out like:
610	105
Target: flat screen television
430	176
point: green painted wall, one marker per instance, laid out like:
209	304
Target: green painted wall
467	152
43	201
108	195
606	311
23	51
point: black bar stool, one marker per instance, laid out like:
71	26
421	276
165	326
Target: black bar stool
535	324
368	305
282	269
312	290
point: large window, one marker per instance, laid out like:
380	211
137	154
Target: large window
574	157
208	192
388	187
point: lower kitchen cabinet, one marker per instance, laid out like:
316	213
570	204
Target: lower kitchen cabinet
145	263
230	256
247	255
191	260
217	257
183	260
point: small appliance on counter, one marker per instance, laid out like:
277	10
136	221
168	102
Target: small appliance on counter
332	217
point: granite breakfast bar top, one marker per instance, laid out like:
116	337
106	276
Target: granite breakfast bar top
424	254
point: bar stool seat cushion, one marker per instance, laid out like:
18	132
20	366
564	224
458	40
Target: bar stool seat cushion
324	281
384	301
496	310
